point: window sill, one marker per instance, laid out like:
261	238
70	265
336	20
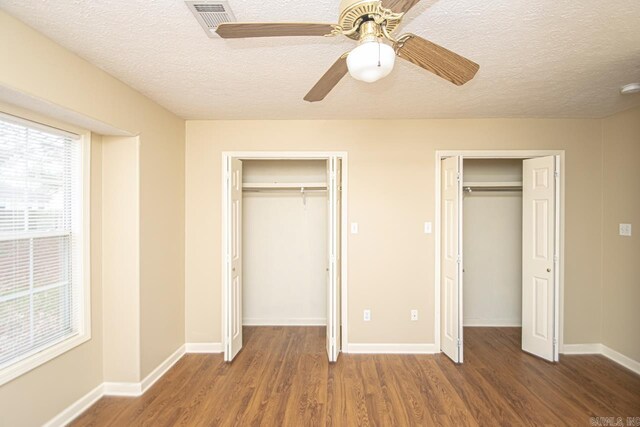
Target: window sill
31	362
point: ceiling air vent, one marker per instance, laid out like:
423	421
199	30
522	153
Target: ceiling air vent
210	14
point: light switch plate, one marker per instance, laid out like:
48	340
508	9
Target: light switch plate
414	315
367	315
354	228
427	228
625	230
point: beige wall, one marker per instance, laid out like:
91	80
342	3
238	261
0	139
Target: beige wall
56	79
621	266
161	241
121	259
391	194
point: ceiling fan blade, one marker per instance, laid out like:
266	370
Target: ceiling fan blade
399	5
235	30
330	79
440	61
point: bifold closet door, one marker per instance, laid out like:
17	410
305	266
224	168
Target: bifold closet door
540	221
451	258
333	257
234	260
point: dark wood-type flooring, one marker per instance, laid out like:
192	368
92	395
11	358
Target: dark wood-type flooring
282	377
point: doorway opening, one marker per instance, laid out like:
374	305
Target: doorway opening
500	241
283	262
492	207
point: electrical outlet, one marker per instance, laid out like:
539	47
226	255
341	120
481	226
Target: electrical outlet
354	228
625	230
367	315
427	228
414	315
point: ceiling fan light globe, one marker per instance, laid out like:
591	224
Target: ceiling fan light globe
371	61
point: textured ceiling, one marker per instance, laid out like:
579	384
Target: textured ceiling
538	58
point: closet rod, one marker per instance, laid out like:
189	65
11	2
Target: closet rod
480	189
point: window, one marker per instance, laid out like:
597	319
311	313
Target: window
42	294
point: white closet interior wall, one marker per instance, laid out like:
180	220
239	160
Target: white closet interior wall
492	246
284	245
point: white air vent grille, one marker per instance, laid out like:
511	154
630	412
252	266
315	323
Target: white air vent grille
210	14
209	8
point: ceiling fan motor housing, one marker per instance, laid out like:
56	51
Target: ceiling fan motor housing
354	12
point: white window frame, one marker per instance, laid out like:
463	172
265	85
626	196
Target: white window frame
41	356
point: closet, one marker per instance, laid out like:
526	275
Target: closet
492	242
282	244
499	256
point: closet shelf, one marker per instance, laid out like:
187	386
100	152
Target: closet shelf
284	185
492	184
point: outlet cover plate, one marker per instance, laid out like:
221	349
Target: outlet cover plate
625	230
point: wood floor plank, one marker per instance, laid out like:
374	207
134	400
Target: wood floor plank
282	378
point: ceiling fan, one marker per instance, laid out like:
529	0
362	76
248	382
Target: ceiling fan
372	23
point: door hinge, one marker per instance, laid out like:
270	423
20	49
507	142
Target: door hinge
459	260
556	258
459	342
458	176
556	174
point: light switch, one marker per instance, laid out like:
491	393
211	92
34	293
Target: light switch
625	230
427	228
414	315
354	228
367	315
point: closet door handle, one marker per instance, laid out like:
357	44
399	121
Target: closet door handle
548	270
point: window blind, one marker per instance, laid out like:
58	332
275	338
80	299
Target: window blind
40	238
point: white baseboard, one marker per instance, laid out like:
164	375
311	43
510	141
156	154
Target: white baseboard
75	409
138	389
594	348
492	323
255	321
162	369
357	348
115	389
605	351
204	347
122	389
620	358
